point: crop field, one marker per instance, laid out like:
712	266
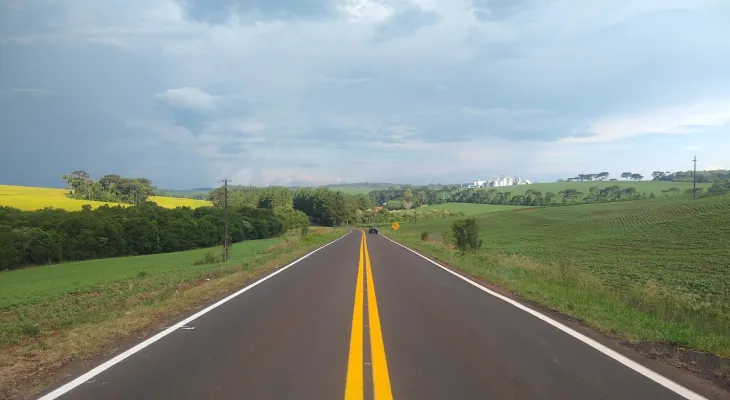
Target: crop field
654	270
676	242
647	187
468	208
33	198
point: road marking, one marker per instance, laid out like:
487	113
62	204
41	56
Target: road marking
355	386
108	364
381	378
666	382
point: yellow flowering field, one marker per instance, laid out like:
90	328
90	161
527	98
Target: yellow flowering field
34	198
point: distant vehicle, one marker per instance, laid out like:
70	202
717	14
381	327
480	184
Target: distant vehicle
373	230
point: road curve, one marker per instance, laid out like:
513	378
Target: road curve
364	318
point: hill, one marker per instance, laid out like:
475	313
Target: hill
467	208
33	198
361	188
647	187
656	270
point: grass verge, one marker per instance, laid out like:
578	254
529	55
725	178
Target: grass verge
649	318
49	330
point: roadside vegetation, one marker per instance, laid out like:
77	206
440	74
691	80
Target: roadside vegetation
655	270
53	314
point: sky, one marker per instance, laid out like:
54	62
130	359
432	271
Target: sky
311	92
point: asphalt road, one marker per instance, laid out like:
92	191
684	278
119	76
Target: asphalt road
362	318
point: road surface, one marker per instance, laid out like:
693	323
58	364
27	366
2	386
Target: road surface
365	318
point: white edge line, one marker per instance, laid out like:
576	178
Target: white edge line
667	383
108	364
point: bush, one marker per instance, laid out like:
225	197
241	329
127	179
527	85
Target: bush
304	230
424	235
466	234
208	258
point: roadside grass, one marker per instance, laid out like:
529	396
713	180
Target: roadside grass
76	310
647	187
34	198
652	270
468	208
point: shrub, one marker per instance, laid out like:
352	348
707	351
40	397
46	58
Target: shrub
424	235
208	258
304	230
466	234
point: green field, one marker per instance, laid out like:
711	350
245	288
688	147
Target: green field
45	283
652	269
50	314
468	208
647	187
354	189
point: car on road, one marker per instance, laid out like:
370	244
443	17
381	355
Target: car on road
373	230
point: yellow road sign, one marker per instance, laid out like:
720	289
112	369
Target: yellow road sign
395	225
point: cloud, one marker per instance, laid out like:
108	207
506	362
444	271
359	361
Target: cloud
190	98
406	22
691	118
389	90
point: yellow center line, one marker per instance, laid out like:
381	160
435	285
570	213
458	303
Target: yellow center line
354	387
381	378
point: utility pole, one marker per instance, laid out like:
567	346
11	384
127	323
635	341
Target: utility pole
225	219
694	179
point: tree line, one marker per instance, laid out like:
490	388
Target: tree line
54	235
602	176
687	176
110	188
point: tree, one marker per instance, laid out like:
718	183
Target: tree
276	197
408	199
626	175
658	175
637	177
602	175
466	234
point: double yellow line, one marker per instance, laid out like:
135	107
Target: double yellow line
381	380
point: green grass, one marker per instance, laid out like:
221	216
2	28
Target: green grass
468	208
647	187
50	314
35	284
644	270
354	189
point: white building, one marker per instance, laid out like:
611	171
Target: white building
500	182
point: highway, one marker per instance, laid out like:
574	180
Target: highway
366	318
